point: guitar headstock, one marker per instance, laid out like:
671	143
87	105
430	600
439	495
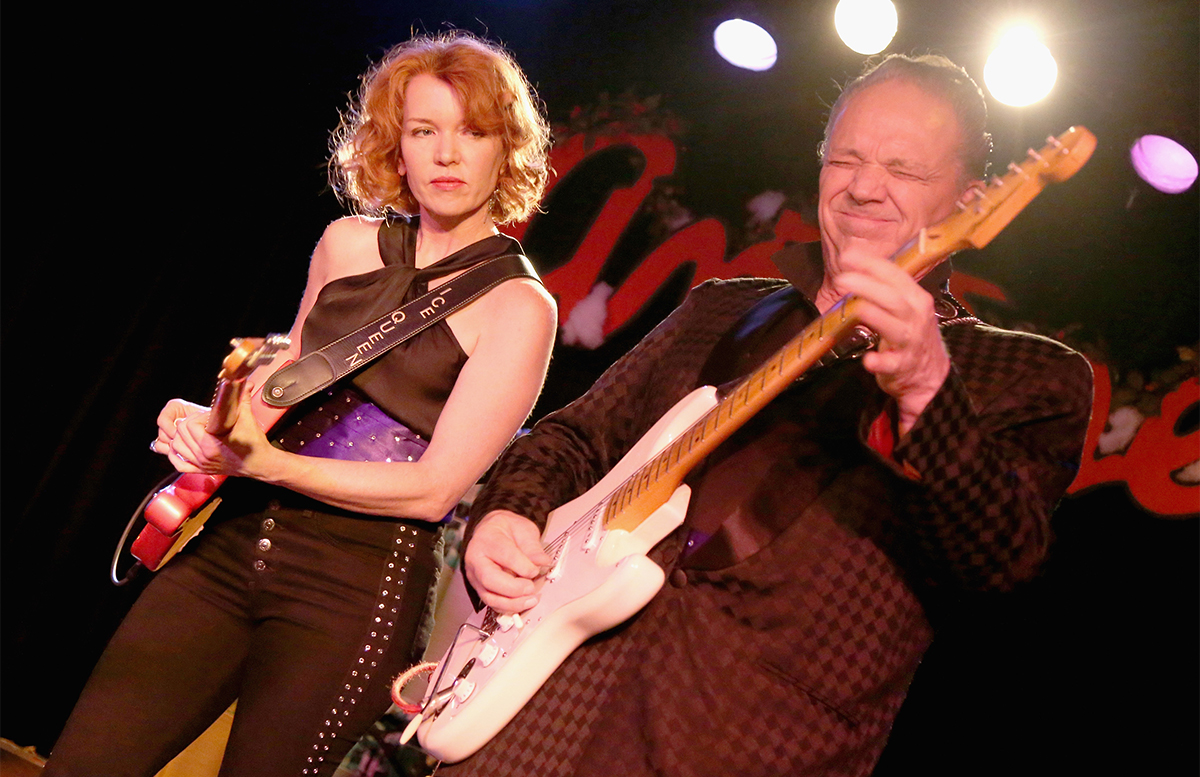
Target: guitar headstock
981	218
1005	196
1065	155
249	353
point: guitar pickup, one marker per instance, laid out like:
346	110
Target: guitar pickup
592	538
555	570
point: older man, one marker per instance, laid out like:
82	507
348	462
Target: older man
827	532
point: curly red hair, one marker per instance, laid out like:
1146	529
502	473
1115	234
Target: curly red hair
497	99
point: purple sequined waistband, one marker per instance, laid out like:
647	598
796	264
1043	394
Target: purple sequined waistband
343	424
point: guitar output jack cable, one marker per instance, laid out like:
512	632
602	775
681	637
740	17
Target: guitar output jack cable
133	569
404	679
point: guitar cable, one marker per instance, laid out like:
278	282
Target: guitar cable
137	565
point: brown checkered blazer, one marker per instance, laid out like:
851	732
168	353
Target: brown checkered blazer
791	657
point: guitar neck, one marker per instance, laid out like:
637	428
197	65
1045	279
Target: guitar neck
248	354
972	226
226	402
655	481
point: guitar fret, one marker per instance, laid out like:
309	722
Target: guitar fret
742	395
618	499
719	413
752	388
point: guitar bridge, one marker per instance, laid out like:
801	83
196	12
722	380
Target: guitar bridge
489	625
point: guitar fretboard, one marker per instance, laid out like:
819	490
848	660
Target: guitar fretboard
666	470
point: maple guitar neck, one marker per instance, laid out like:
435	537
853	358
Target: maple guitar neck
972	226
247	354
224	413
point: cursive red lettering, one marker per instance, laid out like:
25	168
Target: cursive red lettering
1154	454
572	282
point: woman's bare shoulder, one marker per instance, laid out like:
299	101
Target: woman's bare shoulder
523	297
351	230
349	246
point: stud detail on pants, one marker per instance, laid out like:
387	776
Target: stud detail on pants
388	600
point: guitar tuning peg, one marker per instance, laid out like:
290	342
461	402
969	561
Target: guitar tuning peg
1035	155
1013	168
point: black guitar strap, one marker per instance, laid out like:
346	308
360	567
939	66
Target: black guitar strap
325	366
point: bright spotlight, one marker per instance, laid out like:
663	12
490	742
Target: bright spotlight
866	26
745	44
1021	70
1163	163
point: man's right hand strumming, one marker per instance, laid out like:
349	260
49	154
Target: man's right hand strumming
503	558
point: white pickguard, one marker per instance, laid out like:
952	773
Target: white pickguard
599	579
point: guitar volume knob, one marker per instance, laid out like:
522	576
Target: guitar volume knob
463	690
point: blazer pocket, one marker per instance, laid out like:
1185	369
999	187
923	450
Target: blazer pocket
822	697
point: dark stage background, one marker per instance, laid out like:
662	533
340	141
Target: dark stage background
166	184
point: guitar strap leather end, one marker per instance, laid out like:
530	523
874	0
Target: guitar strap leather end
298	380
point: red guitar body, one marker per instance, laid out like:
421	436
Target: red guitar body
167	513
177	513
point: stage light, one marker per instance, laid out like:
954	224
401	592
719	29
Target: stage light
745	44
1021	70
1163	163
866	26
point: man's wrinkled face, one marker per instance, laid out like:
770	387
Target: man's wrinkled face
891	167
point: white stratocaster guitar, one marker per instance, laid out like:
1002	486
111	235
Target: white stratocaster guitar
600	574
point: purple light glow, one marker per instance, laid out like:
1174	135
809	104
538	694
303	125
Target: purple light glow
1163	163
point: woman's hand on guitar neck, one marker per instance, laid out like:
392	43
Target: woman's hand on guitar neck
503	558
169	418
245	451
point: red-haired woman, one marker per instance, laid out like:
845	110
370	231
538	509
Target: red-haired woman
308	590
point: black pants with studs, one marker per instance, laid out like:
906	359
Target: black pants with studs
302	614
